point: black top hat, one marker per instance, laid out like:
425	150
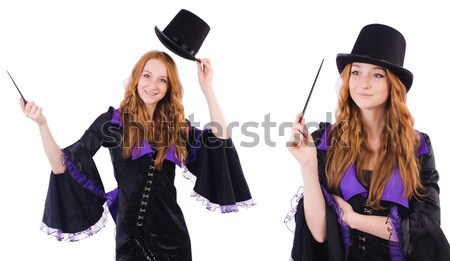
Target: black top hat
380	45
184	35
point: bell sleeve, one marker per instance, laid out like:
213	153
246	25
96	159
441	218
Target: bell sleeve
422	237
74	207
214	165
305	247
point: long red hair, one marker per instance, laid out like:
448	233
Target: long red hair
399	143
167	127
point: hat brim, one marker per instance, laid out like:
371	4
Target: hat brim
403	74
172	46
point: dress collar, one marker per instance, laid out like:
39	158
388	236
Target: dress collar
350	185
145	149
393	191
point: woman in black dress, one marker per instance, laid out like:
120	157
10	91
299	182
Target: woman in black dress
147	136
370	184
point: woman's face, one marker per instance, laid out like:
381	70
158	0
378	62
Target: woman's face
153	83
369	85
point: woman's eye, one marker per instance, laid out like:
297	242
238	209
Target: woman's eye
146	75
378	75
355	73
163	81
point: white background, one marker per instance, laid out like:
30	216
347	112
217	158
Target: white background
72	58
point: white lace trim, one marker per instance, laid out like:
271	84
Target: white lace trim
71	237
289	220
188	175
223	208
213	206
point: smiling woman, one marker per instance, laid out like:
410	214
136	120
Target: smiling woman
152	86
146	137
369	86
152	101
370	183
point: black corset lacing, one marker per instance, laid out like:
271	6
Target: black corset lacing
144	244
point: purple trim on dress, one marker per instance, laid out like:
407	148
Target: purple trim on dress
223	208
81	178
146	148
396	247
393	191
350	185
325	143
197	144
112	201
116	118
172	156
423	148
72	237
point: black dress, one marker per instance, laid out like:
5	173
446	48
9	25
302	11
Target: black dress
149	222
417	223
364	246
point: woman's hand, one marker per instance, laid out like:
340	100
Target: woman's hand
205	75
301	144
345	209
32	111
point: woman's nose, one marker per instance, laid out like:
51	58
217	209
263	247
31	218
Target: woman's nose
152	84
365	82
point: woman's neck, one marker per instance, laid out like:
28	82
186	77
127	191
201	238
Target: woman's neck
374	120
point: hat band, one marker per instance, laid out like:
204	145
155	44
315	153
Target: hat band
183	46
